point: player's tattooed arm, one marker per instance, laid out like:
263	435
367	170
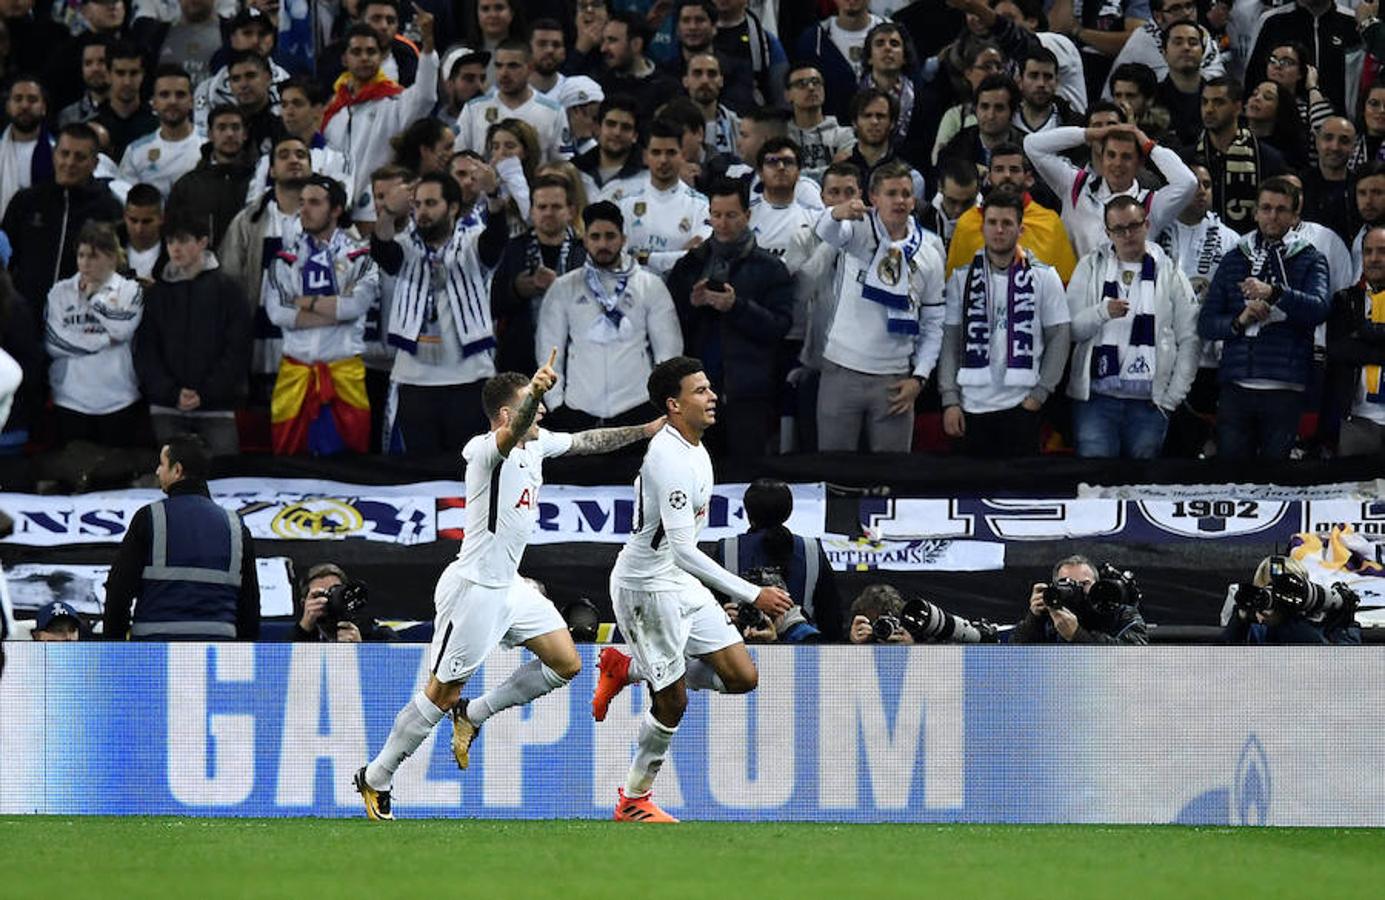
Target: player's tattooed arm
605	440
521	416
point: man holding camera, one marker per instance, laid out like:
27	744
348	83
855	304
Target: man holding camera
1083	605
333	609
1281	605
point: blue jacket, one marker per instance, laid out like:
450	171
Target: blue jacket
1283	350
839	76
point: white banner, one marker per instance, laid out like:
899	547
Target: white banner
1242	491
82	587
305	509
865	555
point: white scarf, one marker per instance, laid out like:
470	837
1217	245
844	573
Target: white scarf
612	325
888	277
1123	363
15	174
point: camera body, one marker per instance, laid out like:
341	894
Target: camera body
346	602
1063	593
885	627
1290	594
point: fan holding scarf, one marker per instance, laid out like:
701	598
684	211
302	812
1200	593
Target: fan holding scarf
1005	338
1268	295
1134	327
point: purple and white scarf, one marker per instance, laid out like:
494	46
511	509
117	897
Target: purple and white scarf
1123	363
888	277
319	269
1020	325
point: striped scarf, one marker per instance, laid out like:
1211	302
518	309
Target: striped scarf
1020	324
1123	363
1236	177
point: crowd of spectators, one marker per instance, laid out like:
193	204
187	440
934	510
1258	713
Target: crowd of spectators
1133	228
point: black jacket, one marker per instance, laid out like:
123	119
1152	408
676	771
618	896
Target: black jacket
738	347
195	334
127	574
514	315
1334	31
42	223
330	67
649	93
1123	626
213	191
1352	342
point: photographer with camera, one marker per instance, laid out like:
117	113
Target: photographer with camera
1282	606
881	615
1083	605
790	627
799	564
333	608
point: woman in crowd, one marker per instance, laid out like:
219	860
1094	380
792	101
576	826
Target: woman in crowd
91	321
1271	115
423	147
1289	68
514	139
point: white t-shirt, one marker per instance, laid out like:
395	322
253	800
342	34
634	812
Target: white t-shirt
502	504
851	43
153	160
142	261
660	223
547	117
1052	310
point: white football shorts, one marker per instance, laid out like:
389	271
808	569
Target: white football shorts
473	619
665	627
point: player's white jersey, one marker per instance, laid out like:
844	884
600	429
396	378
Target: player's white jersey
663	222
673	490
502	504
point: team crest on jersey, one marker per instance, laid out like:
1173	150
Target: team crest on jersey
678	499
492	114
153	154
685	224
640	208
891	267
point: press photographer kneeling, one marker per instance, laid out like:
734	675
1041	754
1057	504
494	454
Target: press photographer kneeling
1083	605
334	608
1282	606
881	615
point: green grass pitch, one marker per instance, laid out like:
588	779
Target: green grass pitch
316	859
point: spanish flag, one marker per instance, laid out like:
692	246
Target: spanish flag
320	408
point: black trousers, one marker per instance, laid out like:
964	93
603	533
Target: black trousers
436	420
1003	434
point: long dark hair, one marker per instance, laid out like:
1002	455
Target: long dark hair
768	505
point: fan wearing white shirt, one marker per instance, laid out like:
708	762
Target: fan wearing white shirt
665	218
512	98
481	602
174	148
782	224
680	638
144	219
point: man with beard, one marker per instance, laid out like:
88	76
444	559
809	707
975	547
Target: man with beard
873	114
1238	160
665	218
250	84
96	81
1370	206
1180	90
735	302
215	190
512	98
696	29
174	148
26	150
401	55
1040	106
628	70
1326	190
446	340
836	46
547	53
1043	234
464	79
703	82
612	168
251	31
612	321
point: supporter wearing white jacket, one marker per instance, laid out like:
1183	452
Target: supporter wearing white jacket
369	108
1135	343
91	320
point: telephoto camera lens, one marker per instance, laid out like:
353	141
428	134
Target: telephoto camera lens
929	623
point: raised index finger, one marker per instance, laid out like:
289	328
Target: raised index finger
552	358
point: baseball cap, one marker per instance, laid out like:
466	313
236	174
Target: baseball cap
55	610
579	90
460	54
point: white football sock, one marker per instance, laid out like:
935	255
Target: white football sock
413	724
649	755
702	677
529	682
634	674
